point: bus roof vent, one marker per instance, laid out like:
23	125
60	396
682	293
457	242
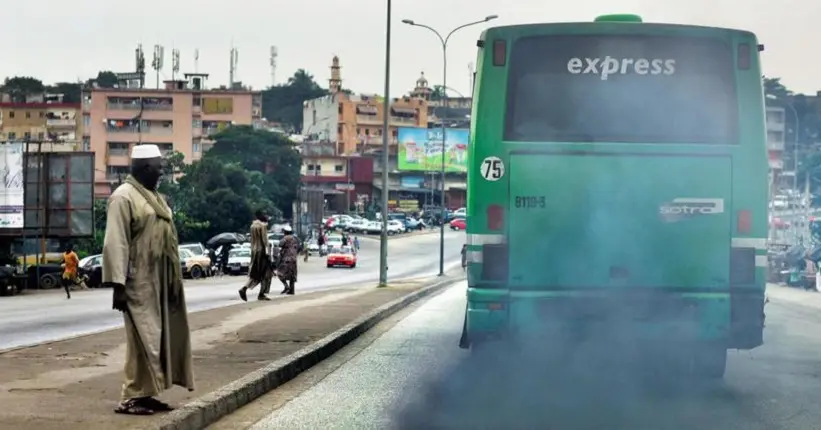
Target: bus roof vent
619	17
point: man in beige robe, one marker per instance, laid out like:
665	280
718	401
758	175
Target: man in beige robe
141	264
260	272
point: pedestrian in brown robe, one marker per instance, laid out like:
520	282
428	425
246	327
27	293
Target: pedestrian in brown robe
288	256
260	272
142	267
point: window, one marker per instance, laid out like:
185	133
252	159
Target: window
86	143
197	148
12	135
41	135
367	132
28	114
117	149
42	114
196	123
11	114
86	121
338	168
661	89
27	135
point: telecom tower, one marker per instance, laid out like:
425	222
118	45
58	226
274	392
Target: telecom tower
157	62
196	60
233	68
274	55
175	63
140	64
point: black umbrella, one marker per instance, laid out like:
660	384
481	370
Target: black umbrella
224	239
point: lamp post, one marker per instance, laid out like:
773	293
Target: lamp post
383	239
444	41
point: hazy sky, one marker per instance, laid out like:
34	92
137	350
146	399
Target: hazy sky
65	40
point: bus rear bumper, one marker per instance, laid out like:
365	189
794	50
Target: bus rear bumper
589	316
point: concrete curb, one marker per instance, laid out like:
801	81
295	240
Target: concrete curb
209	408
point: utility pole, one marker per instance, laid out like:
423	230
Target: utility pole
383	240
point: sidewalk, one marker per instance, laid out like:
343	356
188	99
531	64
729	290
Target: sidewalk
793	295
398	236
75	384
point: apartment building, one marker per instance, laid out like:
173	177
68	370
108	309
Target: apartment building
354	122
181	117
55	124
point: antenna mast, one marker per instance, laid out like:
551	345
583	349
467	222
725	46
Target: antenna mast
233	69
157	62
196	60
274	55
140	64
175	63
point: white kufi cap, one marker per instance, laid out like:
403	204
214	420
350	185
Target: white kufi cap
145	151
287	229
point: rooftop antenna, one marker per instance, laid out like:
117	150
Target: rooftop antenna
157	62
140	64
196	60
175	63
274	55
233	68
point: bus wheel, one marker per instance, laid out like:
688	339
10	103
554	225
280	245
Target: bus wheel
710	362
48	281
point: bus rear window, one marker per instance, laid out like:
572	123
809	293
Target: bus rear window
631	89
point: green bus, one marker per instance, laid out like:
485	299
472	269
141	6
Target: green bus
617	185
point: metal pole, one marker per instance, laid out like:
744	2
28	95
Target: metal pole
383	240
444	142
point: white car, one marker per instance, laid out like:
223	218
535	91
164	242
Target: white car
394	227
239	260
333	241
460	213
373	227
356	225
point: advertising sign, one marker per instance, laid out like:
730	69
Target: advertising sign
12	197
412	182
420	149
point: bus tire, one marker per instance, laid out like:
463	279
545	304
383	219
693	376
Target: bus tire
49	281
710	362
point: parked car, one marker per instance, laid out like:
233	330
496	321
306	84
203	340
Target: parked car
395	227
194	266
239	261
356	225
372	227
92	268
341	256
458	224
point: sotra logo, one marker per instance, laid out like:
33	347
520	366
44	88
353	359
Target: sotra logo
613	66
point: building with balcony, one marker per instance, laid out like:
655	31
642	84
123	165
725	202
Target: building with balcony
346	180
179	117
53	122
776	132
354	122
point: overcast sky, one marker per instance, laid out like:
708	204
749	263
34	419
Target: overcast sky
66	40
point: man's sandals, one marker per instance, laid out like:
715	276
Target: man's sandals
142	406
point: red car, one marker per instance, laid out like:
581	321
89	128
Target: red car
341	257
458	224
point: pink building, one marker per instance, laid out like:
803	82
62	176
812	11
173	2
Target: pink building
180	117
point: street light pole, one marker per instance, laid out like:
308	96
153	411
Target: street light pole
383	240
444	41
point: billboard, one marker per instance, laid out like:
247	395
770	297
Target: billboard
420	149
217	105
12	195
59	194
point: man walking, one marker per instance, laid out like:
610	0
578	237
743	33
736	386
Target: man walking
288	255
70	265
141	264
260	270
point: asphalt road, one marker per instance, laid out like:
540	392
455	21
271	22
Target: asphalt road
40	316
413	376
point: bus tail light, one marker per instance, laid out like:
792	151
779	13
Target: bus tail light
744	222
499	52
744	56
495	217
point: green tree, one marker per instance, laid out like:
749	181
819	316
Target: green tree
273	156
283	103
19	88
106	79
72	92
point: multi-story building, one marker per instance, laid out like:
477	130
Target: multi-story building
180	117
347	181
55	124
775	147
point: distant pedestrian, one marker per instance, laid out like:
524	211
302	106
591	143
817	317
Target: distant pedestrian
70	265
288	256
260	271
141	265
344	239
356	243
